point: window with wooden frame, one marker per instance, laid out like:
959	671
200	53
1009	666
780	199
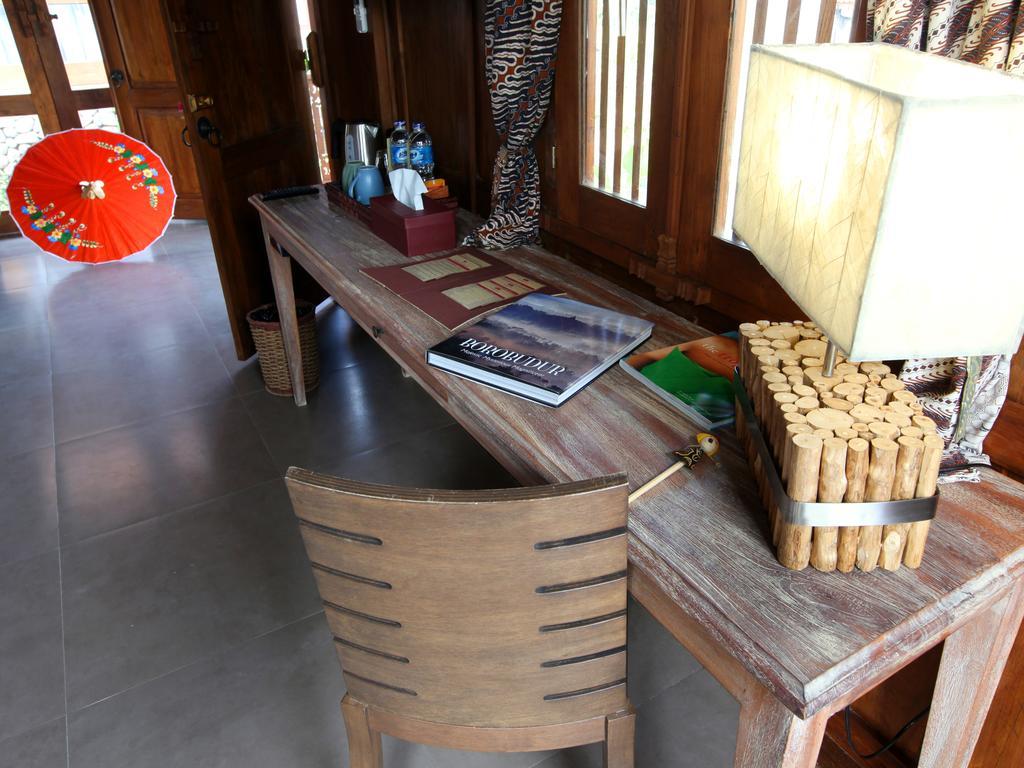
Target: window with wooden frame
678	237
618	42
770	22
726	275
612	123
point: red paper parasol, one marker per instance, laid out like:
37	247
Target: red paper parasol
91	195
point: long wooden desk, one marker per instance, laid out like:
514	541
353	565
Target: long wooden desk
791	647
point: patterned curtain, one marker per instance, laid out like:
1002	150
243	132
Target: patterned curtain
989	33
985	32
521	39
963	419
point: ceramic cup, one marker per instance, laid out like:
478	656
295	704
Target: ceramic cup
348	175
367	183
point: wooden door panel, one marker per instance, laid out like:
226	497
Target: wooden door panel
144	43
161	128
135	41
264	73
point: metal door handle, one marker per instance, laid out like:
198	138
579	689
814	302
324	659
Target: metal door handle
184	137
208	131
116	77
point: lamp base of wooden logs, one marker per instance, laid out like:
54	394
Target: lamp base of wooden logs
857	435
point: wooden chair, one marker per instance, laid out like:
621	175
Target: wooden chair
492	621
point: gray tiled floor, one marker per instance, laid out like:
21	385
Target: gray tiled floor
156	607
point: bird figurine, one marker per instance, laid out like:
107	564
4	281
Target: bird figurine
707	445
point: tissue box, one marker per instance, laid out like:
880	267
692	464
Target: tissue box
414	232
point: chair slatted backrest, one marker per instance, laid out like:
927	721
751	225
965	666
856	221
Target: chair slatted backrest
498	608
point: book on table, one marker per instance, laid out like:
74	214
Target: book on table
694	377
542	348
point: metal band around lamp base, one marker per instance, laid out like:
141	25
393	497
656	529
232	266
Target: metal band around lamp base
828	514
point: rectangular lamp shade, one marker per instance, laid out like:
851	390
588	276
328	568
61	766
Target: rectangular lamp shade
881	187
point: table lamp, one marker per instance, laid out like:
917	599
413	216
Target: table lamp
880	187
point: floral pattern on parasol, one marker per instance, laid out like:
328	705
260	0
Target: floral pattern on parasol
137	167
54	227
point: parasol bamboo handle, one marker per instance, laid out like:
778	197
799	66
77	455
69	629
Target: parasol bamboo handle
656	480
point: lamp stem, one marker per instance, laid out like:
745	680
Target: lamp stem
967	397
829	363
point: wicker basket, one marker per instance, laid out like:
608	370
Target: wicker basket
266	333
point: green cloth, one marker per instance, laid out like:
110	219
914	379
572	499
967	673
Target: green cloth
708	393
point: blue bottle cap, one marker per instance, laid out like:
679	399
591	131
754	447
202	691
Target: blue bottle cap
418	126
399	123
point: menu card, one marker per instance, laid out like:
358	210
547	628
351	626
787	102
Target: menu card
459	287
435	269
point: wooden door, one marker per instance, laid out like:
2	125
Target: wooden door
50	97
137	54
243	65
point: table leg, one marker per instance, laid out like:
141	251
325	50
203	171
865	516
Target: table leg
972	663
770	736
284	294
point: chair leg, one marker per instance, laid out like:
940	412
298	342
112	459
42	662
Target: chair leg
619	732
364	747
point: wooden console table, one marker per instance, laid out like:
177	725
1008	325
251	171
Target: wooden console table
791	647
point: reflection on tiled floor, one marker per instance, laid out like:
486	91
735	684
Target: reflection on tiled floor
156	606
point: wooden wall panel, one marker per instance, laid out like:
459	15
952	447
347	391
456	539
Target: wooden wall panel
902	696
1004	442
351	90
144	43
736	284
419	61
439	58
741	288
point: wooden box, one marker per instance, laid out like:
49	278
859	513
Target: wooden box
340	200
414	232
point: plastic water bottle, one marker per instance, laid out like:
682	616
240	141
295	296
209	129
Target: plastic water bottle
398	146
421	151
